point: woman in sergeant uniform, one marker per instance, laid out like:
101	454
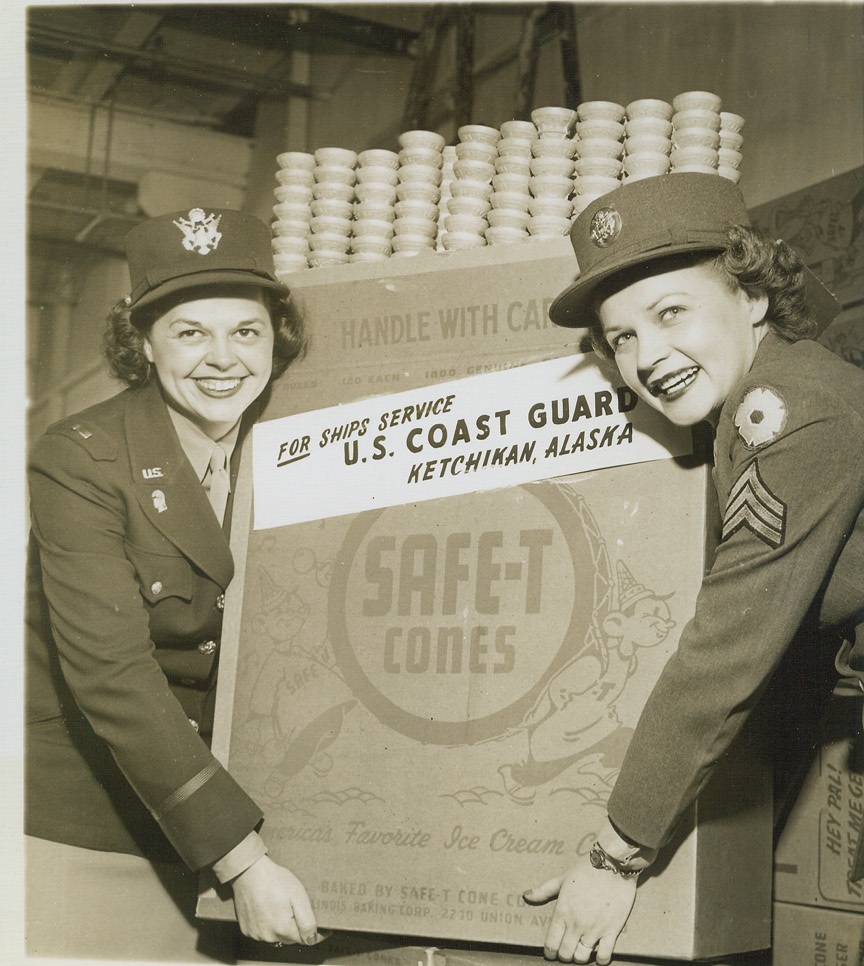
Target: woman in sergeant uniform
709	322
131	505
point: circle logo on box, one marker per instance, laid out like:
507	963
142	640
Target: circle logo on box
448	617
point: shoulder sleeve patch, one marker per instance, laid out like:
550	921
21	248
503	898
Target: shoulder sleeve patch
753	506
760	417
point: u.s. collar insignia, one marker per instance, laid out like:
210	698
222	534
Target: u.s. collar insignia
605	227
760	417
200	232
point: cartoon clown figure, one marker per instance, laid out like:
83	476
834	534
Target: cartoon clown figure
576	715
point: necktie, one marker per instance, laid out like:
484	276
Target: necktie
220	483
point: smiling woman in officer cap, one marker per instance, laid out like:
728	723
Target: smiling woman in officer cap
131	504
710	322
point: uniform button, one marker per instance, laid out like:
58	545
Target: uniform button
207	647
194	723
156	587
220	602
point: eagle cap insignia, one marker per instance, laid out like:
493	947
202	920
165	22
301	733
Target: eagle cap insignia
760	417
605	227
200	231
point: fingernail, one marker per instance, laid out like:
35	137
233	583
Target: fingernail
310	940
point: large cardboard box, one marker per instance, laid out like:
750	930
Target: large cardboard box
811	936
342	949
816	849
480	957
431	701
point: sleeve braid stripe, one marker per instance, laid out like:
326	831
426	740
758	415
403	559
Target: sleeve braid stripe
185	791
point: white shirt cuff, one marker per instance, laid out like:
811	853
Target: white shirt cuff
240	858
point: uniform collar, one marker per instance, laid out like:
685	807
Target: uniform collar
169	493
197	445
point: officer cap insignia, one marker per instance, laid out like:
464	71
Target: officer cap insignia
605	227
760	417
200	231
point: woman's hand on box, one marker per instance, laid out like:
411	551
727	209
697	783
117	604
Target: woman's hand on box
592	908
273	906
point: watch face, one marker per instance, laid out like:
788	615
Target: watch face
597	859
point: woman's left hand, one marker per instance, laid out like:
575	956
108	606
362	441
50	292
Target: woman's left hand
273	906
592	908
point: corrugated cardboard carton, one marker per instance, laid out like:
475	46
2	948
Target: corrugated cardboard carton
823	224
448	956
431	701
342	949
815	851
810	936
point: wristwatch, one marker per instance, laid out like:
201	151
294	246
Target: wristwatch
600	859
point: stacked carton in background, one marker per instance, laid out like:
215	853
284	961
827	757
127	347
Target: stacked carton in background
818	912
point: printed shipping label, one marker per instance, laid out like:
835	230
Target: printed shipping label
537	422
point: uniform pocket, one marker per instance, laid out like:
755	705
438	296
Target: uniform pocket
161	575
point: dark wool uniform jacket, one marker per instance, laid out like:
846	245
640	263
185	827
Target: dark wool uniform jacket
126	582
789	475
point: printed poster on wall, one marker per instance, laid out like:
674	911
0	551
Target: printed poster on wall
500	429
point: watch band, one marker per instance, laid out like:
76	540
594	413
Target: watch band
600	859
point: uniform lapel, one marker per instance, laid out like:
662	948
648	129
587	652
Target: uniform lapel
168	491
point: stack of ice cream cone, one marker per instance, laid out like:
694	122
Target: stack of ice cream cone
375	194
332	206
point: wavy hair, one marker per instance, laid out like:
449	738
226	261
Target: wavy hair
125	332
752	263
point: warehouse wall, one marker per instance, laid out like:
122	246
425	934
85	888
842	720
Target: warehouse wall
793	70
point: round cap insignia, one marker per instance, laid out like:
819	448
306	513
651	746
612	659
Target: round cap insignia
605	227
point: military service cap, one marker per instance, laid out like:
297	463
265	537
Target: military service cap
198	247
652	218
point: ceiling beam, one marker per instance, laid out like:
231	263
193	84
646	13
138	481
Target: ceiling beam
48	41
289	26
93	78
